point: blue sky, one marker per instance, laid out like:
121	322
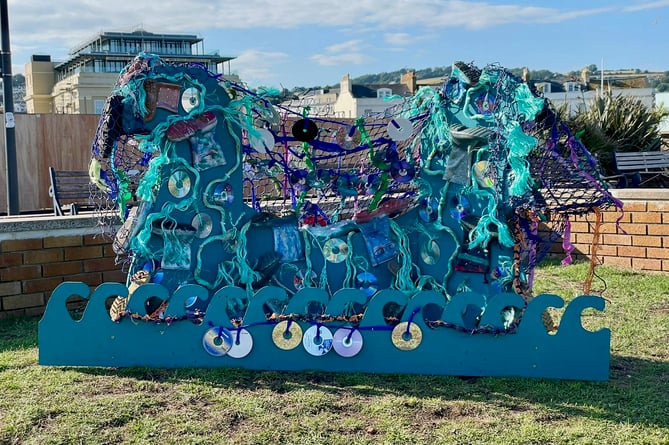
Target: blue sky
287	43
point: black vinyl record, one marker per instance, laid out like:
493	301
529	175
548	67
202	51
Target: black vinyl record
305	130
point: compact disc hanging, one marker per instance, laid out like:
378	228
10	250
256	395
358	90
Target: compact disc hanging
190	99
286	336
335	250
402	171
262	140
430	252
179	183
429	209
317	340
217	341
203	225
367	283
406	339
400	129
242	343
220	195
347	342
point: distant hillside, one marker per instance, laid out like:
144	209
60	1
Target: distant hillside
543	74
656	81
395	76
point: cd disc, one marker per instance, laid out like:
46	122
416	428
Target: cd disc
347	342
317	340
400	129
190	99
178	183
430	251
287	337
203	225
335	250
220	195
429	208
367	282
406	340
262	140
402	171
217	341
242	343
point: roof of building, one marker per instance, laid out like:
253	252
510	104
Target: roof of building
362	91
82	53
140	33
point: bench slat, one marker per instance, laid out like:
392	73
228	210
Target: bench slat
647	161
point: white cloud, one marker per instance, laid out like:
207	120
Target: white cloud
49	27
256	67
351	52
68	22
646	6
403	39
350	46
341	59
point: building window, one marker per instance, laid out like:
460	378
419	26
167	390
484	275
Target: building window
99	106
382	93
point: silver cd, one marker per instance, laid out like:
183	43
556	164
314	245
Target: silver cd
178	183
347	342
317	340
203	225
217	341
430	252
190	99
242	343
400	129
262	140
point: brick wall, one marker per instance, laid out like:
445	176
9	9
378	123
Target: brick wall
639	242
36	255
31	268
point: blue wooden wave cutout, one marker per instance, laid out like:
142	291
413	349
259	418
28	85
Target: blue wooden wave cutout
415	342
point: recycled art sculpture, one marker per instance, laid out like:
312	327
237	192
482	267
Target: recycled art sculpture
259	237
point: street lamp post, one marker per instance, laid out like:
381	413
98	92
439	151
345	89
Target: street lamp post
10	141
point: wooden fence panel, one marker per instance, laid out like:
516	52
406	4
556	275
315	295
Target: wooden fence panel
42	140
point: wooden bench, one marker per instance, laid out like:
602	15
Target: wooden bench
69	189
652	164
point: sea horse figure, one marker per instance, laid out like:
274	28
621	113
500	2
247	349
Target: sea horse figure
459	189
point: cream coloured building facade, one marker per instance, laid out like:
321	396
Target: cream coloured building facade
81	84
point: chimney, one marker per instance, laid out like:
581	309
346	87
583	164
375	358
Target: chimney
585	75
345	84
409	79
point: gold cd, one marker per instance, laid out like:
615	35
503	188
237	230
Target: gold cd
335	250
406	340
179	183
287	337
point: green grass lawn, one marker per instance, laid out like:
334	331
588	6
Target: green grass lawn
48	405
